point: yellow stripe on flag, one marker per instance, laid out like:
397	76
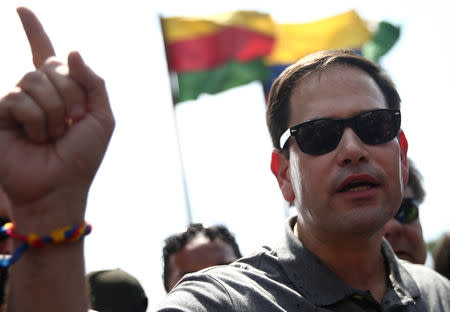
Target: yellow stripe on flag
185	28
293	41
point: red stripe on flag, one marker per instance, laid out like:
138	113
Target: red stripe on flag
230	43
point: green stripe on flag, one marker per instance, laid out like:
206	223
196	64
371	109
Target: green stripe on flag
382	41
227	76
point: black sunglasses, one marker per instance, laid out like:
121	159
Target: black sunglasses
408	212
321	136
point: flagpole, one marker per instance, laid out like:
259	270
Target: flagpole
187	202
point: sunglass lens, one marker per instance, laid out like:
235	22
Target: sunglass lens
319	136
408	212
412	211
377	127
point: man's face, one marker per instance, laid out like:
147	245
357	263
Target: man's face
198	254
407	239
356	188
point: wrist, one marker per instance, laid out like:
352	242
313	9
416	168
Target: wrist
23	242
45	215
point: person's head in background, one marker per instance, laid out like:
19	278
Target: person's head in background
404	231
441	255
115	291
195	249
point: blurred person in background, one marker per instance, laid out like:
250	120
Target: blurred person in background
404	231
195	249
441	255
115	291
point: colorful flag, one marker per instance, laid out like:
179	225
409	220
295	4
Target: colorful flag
216	53
294	41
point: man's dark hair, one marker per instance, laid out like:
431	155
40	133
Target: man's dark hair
415	182
278	108
177	241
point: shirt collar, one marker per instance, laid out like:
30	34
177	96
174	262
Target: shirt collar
317	283
401	280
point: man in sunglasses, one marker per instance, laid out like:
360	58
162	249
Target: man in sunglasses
340	157
404	231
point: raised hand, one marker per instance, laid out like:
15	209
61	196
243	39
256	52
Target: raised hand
54	129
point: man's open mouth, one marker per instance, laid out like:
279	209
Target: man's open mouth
357	186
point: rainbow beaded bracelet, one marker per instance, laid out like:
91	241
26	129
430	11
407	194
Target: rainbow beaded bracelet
65	235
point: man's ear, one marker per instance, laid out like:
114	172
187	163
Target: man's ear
404	155
280	169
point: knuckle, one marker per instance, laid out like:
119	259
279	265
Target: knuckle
52	108
33	117
66	88
15	95
52	62
27	112
33	77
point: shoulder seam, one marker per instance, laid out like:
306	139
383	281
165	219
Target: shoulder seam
223	287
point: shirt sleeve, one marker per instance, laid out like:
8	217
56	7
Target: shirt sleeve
197	292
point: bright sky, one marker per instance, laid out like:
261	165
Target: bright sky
137	198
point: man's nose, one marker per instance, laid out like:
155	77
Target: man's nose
351	149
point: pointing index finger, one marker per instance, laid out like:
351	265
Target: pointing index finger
41	46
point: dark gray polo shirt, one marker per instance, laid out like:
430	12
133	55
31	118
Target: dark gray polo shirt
291	278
